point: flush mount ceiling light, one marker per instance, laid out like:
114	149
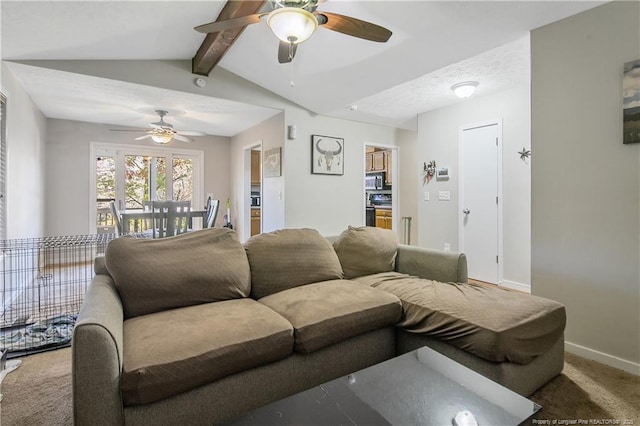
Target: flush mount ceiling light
292	25
464	89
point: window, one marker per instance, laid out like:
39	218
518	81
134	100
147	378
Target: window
133	176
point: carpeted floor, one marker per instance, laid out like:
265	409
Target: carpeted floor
39	393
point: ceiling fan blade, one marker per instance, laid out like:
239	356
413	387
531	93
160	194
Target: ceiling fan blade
128	130
217	26
182	138
353	27
139	138
191	133
286	52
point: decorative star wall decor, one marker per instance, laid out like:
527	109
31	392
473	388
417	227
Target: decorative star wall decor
524	154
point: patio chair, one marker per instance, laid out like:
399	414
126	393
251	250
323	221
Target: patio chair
212	213
116	217
170	218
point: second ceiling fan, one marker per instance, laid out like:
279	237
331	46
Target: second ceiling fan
294	21
162	132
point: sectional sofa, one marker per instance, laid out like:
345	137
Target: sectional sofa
199	328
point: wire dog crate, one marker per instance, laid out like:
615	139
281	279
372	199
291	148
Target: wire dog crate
44	281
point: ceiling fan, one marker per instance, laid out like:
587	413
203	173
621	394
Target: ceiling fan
162	132
294	21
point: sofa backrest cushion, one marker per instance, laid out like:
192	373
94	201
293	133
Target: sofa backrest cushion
290	258
154	275
366	250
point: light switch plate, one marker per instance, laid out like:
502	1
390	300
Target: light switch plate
444	195
426	196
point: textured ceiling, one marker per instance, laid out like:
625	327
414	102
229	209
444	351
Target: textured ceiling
434	45
97	100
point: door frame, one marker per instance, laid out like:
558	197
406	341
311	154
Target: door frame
245	230
395	176
94	147
461	131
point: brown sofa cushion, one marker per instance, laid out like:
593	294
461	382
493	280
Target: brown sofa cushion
170	352
198	267
495	324
366	250
332	311
289	258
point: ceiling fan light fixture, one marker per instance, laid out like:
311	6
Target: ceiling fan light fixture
464	89
162	138
291	24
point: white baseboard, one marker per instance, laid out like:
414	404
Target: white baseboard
516	286
603	358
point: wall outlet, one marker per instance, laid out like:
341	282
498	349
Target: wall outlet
447	247
444	195
426	196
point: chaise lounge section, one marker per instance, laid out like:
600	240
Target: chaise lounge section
198	329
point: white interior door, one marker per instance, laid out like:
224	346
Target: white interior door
479	201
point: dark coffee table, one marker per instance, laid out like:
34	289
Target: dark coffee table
421	387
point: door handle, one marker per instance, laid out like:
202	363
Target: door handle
466	211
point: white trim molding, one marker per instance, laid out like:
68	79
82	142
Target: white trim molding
603	358
516	286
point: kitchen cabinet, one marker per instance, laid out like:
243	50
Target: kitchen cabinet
255	221
384	218
387	166
376	161
255	168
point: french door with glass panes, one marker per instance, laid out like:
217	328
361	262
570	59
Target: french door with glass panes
132	177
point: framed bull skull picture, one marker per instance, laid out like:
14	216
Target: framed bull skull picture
327	155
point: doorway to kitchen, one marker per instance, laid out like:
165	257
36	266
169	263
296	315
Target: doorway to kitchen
252	191
380	190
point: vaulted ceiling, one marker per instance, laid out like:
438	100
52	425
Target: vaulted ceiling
434	45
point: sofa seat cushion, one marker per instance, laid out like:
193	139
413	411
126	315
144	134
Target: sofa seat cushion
166	273
380	246
493	323
289	258
331	311
170	352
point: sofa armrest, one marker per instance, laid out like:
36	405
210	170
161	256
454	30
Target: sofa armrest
97	356
437	265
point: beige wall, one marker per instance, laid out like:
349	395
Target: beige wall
585	182
26	159
269	133
329	203
438	140
68	167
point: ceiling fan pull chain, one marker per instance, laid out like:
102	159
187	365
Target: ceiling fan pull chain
290	50
292	82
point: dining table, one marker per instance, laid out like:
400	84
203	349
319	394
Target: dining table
137	217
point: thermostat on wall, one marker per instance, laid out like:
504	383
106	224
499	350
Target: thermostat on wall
442	173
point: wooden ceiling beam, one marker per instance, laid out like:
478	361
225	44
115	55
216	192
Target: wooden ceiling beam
215	45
